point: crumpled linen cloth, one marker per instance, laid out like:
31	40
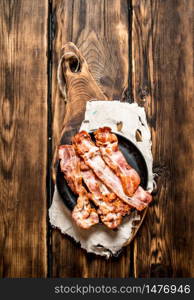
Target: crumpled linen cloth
99	239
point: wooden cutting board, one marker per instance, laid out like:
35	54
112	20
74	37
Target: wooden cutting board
78	86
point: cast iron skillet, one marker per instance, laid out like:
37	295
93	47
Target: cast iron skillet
133	157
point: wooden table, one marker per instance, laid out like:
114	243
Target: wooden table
141	47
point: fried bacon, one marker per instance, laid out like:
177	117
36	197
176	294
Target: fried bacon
70	166
108	145
112	183
110	207
91	155
142	195
83	214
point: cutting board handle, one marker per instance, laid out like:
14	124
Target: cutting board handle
77	86
69	63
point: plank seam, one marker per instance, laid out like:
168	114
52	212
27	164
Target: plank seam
130	100
130	74
49	183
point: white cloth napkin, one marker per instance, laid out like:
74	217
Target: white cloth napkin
99	239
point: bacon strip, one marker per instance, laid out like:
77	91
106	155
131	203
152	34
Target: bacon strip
92	157
70	166
83	214
111	209
108	145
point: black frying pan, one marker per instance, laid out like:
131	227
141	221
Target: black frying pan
133	157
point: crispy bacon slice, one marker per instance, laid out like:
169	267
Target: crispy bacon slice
142	195
110	207
108	145
83	214
70	166
92	157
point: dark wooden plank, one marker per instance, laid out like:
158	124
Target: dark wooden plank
100	30
162	59
23	138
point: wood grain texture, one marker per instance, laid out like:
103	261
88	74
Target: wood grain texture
23	138
162	61
100	30
162	81
103	41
